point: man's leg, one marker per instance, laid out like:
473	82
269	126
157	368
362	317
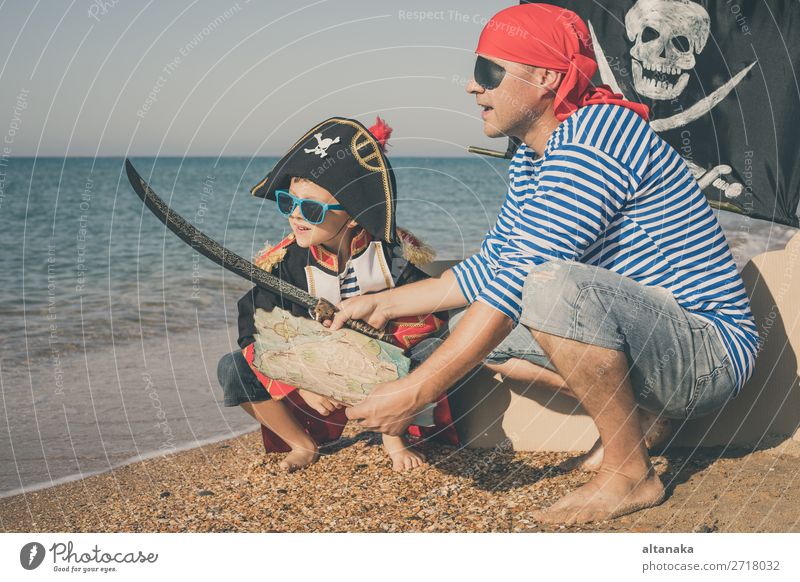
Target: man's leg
518	358
521	370
626	481
656	430
616	344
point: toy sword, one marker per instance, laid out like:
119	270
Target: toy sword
320	308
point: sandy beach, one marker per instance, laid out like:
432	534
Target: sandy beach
233	486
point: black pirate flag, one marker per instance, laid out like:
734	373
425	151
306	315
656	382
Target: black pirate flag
720	78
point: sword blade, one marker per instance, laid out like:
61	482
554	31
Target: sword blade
210	248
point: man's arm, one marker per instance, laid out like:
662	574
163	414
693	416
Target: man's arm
457	287
580	191
481	329
390	408
420	298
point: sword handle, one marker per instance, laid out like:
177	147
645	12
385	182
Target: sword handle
324	310
368	330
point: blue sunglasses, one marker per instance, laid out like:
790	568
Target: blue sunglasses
311	210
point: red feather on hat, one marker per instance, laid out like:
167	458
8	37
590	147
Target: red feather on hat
381	132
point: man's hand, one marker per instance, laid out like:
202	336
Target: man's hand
368	308
389	408
319	403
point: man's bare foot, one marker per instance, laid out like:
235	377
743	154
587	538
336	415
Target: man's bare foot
404	458
655	428
299	457
609	495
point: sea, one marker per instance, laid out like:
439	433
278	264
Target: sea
112	327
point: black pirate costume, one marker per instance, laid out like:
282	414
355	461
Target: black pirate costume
348	160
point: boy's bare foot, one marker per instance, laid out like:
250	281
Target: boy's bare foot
404	458
655	428
299	457
609	495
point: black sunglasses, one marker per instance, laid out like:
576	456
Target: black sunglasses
488	74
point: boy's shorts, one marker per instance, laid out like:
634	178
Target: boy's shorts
239	382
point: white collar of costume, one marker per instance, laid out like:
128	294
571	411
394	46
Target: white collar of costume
370	268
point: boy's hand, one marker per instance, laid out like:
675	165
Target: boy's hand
367	308
319	403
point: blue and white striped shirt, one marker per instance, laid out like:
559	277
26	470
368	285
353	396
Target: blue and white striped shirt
609	192
348	284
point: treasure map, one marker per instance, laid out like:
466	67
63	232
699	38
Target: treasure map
342	365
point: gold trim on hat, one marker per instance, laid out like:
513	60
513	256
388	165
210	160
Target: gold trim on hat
364	138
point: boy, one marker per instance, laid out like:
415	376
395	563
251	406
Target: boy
337	189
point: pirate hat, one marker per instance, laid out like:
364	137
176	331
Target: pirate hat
346	159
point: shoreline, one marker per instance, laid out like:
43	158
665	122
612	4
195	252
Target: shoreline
233	486
114	405
43	485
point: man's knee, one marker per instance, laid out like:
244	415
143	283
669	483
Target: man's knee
515	368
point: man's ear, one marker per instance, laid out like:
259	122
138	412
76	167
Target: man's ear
551	79
545	79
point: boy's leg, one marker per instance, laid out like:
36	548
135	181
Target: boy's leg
278	418
242	388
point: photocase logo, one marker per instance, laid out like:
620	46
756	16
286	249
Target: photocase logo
31	555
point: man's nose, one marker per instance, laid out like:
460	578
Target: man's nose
474	88
296	213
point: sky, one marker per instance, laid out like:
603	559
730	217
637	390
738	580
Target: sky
235	78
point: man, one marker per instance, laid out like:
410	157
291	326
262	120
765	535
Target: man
605	250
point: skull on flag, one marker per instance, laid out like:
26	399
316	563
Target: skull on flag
666	34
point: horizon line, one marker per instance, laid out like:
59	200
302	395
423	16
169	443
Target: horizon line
123	156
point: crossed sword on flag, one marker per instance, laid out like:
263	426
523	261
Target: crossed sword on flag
704	177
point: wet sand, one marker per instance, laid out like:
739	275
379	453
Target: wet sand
234	486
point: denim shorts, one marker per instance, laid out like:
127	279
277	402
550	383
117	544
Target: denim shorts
239	382
679	367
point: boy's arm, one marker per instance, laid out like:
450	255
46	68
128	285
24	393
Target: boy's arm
420	298
260	298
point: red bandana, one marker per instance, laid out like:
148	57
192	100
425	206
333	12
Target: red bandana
553	38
